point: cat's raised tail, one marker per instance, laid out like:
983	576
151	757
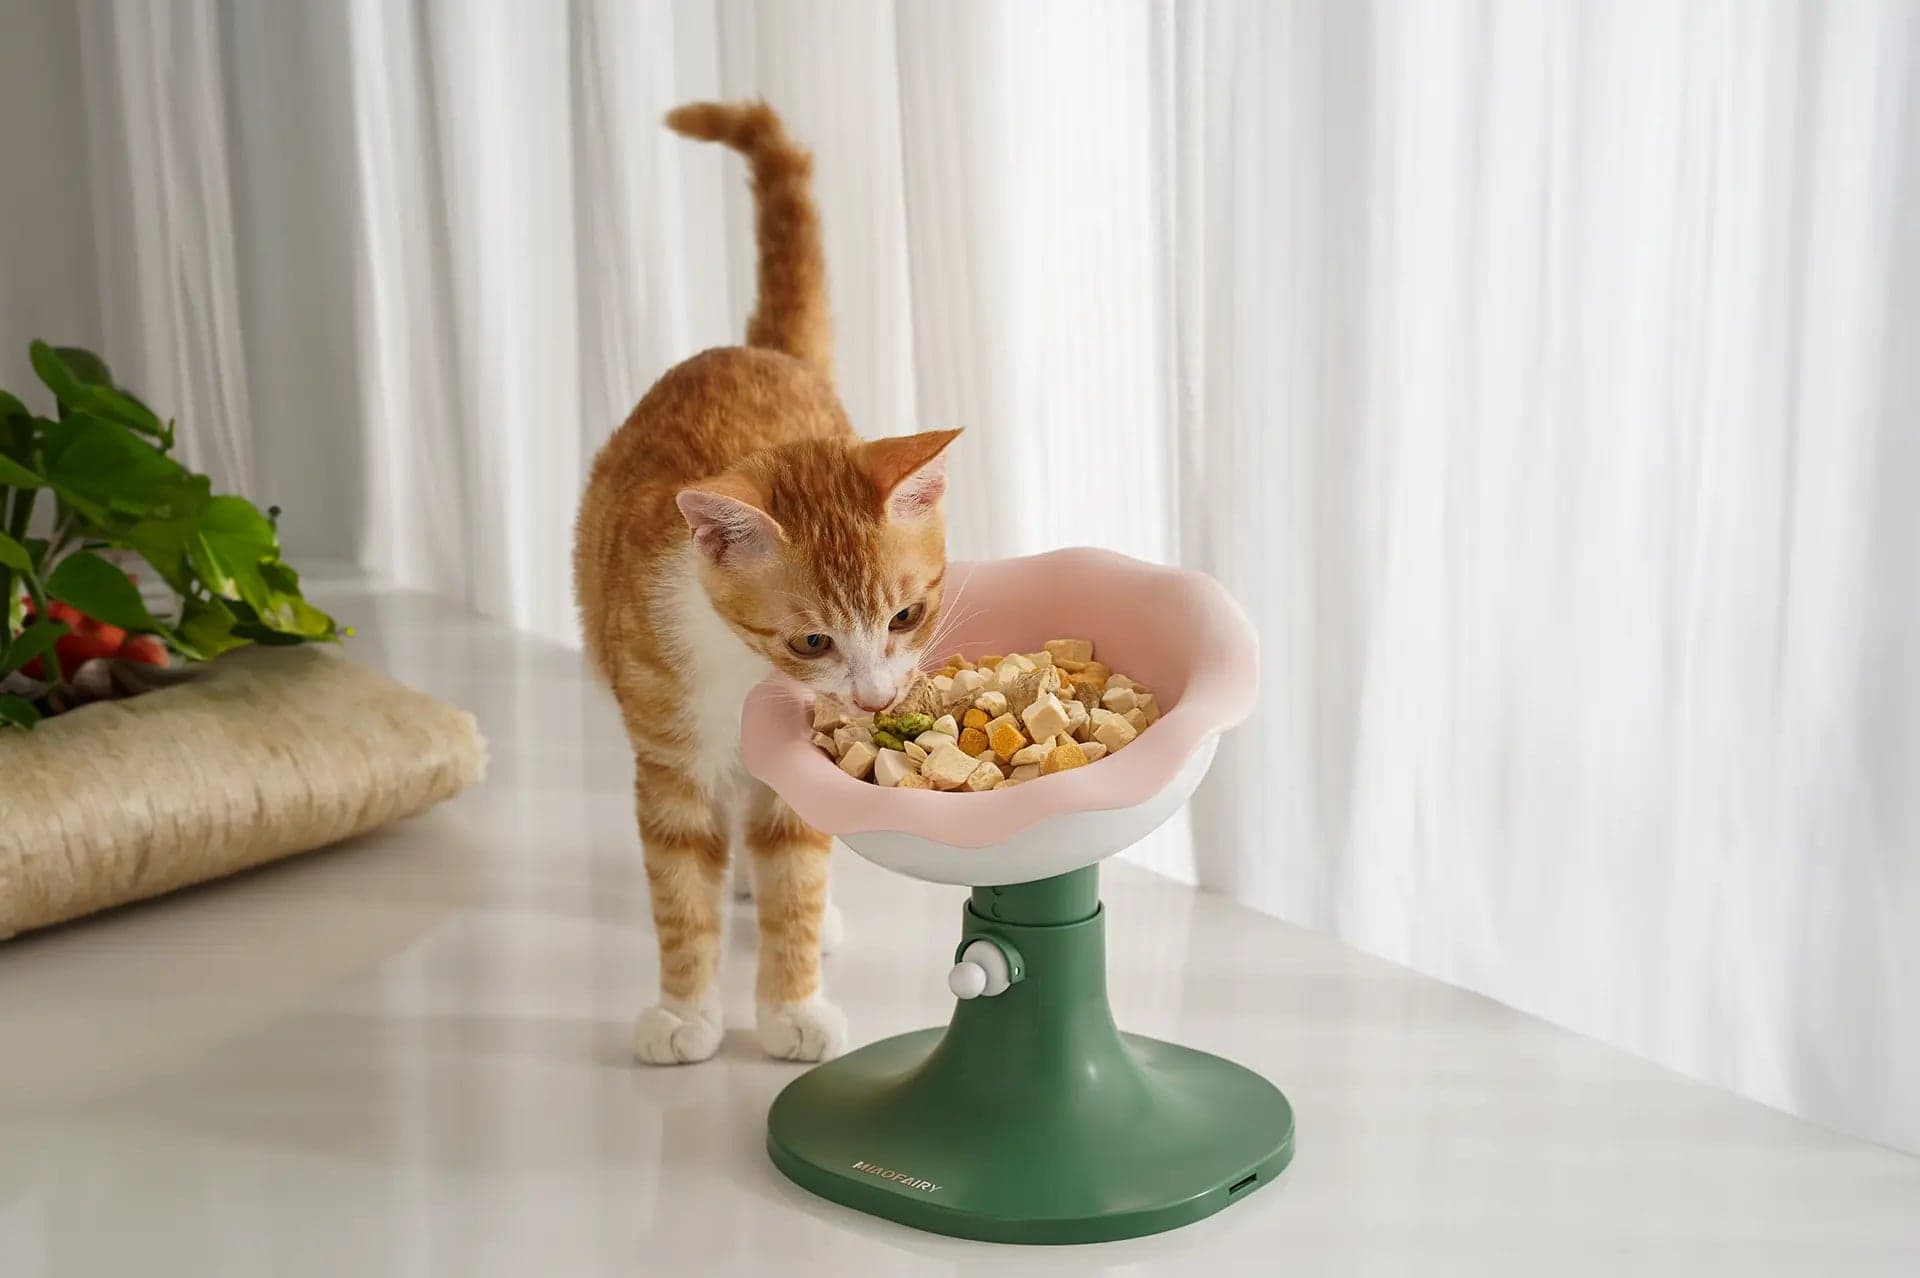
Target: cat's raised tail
791	315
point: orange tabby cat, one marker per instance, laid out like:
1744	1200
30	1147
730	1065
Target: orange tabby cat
733	527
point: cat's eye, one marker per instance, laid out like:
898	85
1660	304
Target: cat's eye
908	617
810	645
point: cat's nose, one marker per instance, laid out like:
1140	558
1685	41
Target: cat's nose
867	703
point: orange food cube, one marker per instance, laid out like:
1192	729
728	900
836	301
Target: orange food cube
1063	757
974	718
973	741
1006	739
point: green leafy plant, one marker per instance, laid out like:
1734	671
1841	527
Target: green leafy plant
104	461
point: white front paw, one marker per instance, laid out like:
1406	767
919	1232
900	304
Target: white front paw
674	1032
810	1030
833	929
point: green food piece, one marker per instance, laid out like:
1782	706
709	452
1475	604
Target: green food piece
909	725
884	739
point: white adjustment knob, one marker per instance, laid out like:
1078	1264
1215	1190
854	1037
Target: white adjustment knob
982	970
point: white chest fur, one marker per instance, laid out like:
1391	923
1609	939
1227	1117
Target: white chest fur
719	670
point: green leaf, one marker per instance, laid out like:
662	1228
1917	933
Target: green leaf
230	542
102	591
11	407
161	539
18	711
248	624
237	555
292	615
206	629
14	555
36	640
163	544
100	469
77	392
85	365
14	475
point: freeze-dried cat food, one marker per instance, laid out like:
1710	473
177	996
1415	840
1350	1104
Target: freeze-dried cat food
1000	721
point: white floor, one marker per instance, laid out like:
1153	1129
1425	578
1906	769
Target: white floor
409	1056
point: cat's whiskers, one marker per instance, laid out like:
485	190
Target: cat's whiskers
948	619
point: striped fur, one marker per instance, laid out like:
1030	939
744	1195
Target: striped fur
734	512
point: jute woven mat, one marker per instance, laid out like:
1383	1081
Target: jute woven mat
265	753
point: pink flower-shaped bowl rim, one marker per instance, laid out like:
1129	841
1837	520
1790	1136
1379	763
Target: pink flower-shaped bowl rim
1194	624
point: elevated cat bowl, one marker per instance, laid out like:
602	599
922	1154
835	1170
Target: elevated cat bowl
1030	1117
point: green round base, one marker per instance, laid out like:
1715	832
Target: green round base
1183	1136
1031	1118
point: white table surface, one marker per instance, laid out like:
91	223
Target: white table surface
408	1055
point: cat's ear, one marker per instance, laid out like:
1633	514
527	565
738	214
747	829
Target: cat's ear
909	472
727	522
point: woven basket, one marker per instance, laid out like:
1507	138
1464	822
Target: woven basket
265	753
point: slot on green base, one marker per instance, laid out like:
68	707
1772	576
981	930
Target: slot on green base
1030	1118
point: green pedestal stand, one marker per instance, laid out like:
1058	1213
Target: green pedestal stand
1031	1118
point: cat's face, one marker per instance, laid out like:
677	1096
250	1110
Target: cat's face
828	557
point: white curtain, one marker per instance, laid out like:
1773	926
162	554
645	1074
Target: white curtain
1545	379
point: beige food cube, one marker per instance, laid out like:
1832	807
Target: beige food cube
914	781
1070	649
985	777
969	682
948	767
1045	718
890	765
1138	718
1093	750
1030	754
1025	772
848	735
946	723
857	762
1118	700
1111	730
993	701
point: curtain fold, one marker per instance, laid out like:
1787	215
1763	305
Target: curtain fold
1541	377
163	211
